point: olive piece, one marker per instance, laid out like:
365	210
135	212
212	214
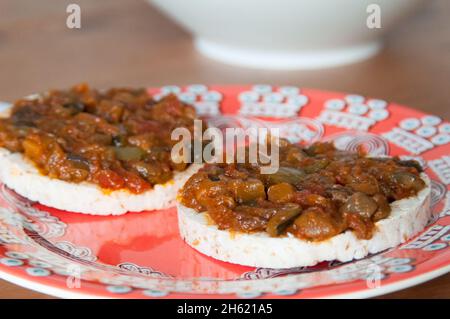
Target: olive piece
280	193
339	193
410	163
262	212
383	207
129	153
282	219
317	166
103	139
364	183
248	190
74	107
315	224
360	204
25	116
408	181
78	161
250	223
285	175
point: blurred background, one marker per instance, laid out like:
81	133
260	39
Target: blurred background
134	43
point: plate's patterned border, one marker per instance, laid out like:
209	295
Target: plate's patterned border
26	252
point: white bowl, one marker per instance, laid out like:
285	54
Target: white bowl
286	34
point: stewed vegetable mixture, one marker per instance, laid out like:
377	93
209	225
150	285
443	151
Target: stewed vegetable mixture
118	139
317	193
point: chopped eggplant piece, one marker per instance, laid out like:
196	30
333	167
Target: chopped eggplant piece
360	204
278	223
408	181
288	175
129	153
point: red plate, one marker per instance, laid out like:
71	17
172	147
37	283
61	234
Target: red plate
141	255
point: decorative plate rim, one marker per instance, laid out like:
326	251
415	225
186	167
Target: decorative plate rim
431	267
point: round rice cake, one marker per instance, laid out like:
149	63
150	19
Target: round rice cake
408	217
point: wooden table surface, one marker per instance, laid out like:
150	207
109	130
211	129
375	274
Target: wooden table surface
129	43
